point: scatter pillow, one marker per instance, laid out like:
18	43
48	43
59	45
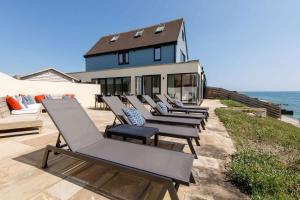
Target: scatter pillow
72	96
134	116
39	98
178	103
30	99
49	97
162	107
20	100
13	103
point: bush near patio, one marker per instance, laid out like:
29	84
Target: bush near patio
267	162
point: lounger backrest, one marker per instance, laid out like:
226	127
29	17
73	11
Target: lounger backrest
72	122
4	110
135	102
164	101
116	106
150	101
169	98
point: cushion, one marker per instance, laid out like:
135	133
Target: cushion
49	97
72	96
178	103
39	98
29	99
20	100
162	107
134	116
24	111
13	103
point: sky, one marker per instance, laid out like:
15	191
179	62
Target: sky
243	45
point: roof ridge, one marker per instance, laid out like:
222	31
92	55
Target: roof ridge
136	29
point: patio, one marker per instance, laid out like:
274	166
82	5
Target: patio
69	178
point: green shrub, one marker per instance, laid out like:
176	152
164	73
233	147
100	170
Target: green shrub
272	175
263	176
232	103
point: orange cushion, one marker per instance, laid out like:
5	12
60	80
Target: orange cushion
72	96
13	103
39	98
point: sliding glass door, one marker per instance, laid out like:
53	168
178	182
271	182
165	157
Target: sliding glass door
184	87
148	85
115	86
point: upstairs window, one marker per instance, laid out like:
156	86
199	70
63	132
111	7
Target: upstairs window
139	33
182	35
123	58
157	53
160	28
114	38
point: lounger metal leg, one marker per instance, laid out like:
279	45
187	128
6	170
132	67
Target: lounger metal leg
177	186
192	179
197	141
192	147
203	124
144	141
156	139
172	191
45	158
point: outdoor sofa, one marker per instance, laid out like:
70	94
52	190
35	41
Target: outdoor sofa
85	142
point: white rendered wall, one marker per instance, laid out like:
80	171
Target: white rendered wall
84	93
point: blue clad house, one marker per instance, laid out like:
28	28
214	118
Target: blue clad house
159	44
152	60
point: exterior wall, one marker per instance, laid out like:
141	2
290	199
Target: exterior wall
139	57
181	46
48	76
84	93
163	70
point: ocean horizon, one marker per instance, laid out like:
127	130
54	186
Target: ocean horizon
289	100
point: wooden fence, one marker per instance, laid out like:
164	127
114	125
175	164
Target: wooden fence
273	110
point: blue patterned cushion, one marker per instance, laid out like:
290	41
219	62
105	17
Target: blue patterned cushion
134	116
162	107
49	97
29	99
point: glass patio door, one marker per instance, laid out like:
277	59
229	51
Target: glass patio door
151	85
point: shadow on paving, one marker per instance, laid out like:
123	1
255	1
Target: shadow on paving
102	180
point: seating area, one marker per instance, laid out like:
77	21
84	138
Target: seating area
90	159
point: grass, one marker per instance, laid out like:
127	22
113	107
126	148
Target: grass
267	163
231	103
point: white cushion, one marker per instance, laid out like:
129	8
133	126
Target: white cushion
35	106
24	111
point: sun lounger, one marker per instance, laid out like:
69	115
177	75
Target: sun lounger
85	142
155	107
135	102
183	106
172	109
174	131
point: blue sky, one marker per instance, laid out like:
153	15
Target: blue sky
243	45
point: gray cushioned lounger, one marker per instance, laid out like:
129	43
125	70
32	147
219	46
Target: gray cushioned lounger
153	105
87	143
172	109
135	102
187	133
184	106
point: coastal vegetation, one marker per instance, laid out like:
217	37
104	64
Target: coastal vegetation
267	162
231	103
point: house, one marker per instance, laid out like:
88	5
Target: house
49	74
152	60
159	44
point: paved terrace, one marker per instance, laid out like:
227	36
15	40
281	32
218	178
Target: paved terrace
69	178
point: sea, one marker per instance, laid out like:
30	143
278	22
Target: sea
287	100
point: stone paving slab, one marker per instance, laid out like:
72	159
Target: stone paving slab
70	178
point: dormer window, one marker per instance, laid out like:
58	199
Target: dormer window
114	38
139	33
160	28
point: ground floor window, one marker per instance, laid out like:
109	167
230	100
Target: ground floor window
115	86
184	87
148	85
